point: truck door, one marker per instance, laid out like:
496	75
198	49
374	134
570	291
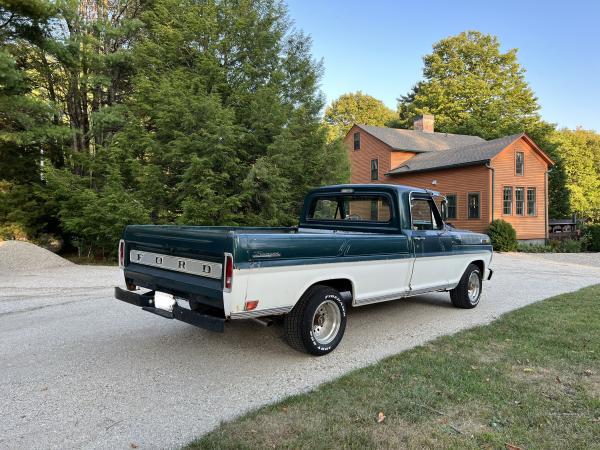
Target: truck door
432	256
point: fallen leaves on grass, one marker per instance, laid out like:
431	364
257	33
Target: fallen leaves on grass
380	417
513	447
528	370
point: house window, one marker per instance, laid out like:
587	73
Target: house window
473	202
374	169
451	205
519	201
531	201
356	141
508	198
520	163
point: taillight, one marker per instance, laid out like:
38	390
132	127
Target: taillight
228	272
250	305
121	253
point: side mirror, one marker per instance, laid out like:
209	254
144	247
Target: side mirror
444	210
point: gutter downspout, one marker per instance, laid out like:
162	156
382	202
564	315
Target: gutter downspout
489	166
546	204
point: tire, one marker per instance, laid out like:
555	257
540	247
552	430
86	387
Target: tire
466	297
317	323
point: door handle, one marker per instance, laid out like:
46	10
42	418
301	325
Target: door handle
418	238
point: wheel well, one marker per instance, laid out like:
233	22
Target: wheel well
479	263
340	285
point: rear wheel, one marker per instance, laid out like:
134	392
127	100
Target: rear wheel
466	295
317	323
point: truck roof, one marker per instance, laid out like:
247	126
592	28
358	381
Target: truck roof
373	187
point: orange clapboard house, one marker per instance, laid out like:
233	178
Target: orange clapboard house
505	178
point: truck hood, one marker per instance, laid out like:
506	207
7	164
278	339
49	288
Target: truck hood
471	238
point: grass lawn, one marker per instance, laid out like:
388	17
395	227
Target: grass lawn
529	380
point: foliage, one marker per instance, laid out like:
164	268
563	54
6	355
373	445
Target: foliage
27	207
356	108
503	236
555	246
472	88
95	219
579	152
63	64
26	128
535	248
11	232
163	112
592	237
567	245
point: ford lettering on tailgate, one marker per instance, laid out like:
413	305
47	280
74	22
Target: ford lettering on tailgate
186	265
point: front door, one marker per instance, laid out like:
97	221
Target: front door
432	256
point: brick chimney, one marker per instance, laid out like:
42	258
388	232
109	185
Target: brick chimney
424	123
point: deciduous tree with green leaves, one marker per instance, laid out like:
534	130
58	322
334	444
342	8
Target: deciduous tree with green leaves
356	108
472	87
579	152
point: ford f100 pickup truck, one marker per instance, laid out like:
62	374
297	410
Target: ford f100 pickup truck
354	245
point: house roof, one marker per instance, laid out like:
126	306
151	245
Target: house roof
570	221
478	153
418	141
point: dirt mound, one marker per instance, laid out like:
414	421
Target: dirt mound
16	256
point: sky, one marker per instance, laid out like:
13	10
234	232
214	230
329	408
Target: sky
377	46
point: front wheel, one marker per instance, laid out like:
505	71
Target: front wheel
317	323
468	291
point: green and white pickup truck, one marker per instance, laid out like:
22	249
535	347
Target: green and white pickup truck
355	245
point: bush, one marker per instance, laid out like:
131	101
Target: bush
567	246
503	236
9	232
592	234
533	248
555	246
49	242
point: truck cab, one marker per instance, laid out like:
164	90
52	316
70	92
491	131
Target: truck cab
354	245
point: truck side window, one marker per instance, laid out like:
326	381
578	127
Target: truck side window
423	216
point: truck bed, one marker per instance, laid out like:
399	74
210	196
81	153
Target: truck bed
250	248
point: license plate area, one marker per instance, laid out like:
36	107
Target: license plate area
164	301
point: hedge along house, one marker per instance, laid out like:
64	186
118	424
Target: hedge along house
505	178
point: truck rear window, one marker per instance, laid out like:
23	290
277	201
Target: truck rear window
363	208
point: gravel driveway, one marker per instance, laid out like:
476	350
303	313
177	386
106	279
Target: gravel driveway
81	370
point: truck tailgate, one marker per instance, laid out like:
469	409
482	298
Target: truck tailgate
184	261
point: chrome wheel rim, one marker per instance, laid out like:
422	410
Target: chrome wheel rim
326	322
474	287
